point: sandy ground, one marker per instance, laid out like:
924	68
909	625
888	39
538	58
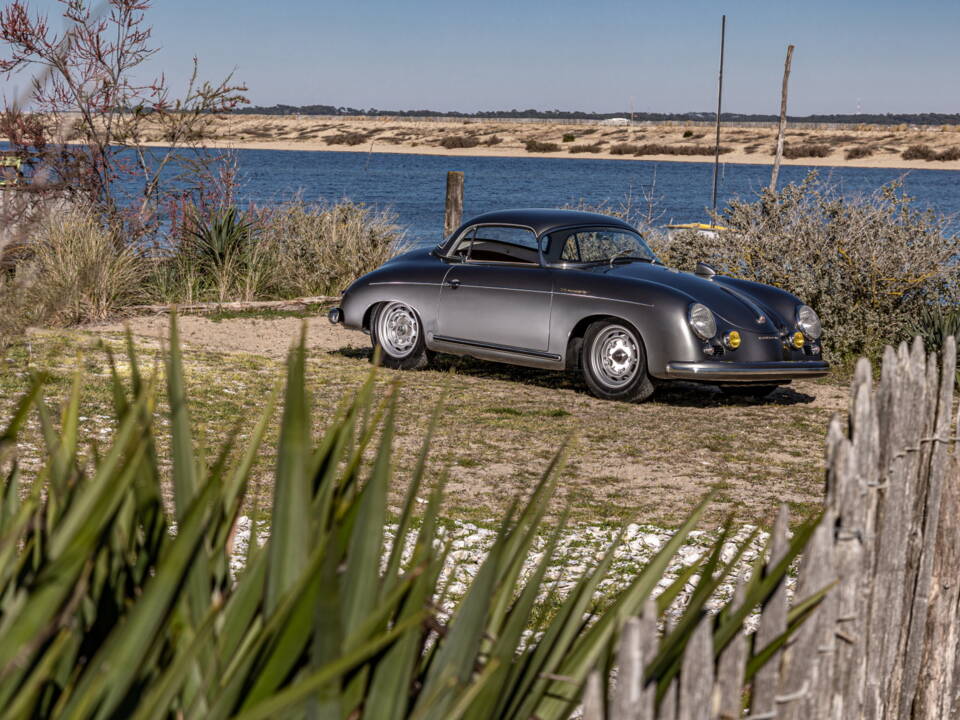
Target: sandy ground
748	145
270	337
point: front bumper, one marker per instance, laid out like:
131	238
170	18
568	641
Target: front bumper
719	371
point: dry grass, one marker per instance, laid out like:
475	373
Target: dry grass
318	250
78	270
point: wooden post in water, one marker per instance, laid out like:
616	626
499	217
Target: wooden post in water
453	210
783	121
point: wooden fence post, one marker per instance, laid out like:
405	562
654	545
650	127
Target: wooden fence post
783	121
773	622
453	207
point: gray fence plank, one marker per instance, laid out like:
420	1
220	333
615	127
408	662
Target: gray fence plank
773	622
696	674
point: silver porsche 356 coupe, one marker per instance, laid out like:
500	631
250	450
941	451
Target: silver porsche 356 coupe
568	290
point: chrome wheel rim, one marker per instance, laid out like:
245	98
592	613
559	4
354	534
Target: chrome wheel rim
615	356
397	330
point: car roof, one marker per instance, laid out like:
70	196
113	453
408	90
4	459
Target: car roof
542	220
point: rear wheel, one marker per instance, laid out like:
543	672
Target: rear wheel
397	331
614	362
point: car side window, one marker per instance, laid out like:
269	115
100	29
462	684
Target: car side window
501	243
462	248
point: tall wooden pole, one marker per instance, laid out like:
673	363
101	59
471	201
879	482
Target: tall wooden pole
716	154
453	207
783	121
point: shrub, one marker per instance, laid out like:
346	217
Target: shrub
109	613
493	140
934	324
318	250
352	138
688	133
950	154
458	141
569	137
661	149
217	258
535	146
919	152
584	148
77	269
623	149
868	265
860	151
806	150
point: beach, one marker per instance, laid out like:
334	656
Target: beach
837	146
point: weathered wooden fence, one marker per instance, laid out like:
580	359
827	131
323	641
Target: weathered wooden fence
884	641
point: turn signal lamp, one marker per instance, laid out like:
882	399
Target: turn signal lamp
798	339
732	340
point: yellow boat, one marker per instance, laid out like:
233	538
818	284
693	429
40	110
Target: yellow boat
702	228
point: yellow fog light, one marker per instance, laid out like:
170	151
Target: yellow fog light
798	340
732	340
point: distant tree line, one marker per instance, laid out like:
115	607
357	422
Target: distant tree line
875	119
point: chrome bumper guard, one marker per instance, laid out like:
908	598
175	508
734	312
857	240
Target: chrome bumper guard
747	371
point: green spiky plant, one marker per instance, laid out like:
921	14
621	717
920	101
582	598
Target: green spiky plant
110	607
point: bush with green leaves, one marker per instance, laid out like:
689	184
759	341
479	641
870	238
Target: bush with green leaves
111	606
869	265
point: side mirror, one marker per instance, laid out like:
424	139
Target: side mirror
705	270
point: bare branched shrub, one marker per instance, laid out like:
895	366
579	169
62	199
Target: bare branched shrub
803	150
452	142
624	149
319	250
664	149
919	152
858	151
78	270
537	146
867	264
585	148
346	139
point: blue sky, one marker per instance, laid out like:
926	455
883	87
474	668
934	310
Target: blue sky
605	55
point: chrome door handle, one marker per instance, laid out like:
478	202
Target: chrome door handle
454	283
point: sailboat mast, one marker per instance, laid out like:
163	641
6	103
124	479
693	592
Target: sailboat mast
716	150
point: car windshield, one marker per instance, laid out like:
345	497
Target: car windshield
599	245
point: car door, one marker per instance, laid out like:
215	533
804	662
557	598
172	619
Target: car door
500	295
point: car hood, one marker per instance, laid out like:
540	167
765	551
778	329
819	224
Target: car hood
735	306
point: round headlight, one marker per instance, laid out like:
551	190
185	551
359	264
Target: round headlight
808	321
702	321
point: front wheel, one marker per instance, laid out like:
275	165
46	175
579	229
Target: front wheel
614	363
398	333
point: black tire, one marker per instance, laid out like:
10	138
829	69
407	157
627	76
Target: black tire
396	331
748	392
614	362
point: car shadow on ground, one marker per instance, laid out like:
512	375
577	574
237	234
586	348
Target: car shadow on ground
682	394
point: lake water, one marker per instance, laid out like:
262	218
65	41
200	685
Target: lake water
413	185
